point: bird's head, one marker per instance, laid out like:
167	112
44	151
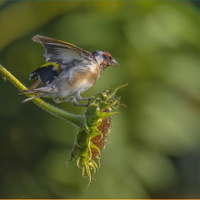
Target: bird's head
104	59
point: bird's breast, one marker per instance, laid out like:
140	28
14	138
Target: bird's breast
85	77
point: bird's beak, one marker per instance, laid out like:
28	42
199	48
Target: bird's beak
113	63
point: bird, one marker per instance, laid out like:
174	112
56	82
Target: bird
69	71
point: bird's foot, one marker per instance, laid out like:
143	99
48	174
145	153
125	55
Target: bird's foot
89	100
75	102
78	104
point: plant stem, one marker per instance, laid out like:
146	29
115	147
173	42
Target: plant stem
76	120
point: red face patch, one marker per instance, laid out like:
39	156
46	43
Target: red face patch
106	53
104	64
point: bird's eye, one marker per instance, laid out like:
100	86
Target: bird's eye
105	56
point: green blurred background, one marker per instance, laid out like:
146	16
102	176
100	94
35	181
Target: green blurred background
154	149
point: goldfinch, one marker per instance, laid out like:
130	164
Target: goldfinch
69	71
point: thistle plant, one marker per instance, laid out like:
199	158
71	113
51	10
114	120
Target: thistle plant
93	127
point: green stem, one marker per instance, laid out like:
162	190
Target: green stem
76	120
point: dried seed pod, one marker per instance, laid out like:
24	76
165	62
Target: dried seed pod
100	140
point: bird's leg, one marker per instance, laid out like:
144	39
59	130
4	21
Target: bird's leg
79	98
74	101
89	100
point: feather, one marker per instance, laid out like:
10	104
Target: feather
45	74
29	99
59	51
34	84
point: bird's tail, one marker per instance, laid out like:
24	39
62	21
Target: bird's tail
32	91
38	92
29	99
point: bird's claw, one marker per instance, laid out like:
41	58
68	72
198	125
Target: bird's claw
89	101
75	103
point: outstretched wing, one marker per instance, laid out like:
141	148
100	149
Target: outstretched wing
59	51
